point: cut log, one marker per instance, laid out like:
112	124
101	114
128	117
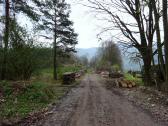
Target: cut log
133	84
124	85
130	86
77	75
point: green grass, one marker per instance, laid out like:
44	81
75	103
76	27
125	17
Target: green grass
34	95
48	72
129	77
64	69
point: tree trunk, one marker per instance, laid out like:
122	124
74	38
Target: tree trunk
147	72
165	26
6	40
159	44
147	59
55	59
55	50
153	61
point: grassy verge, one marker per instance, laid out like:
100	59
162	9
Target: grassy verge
129	77
18	99
68	68
61	69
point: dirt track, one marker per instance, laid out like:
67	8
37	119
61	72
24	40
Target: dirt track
91	104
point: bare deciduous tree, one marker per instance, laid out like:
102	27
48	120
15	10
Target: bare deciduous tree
138	30
157	15
165	27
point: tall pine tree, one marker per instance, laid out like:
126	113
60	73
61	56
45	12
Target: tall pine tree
55	20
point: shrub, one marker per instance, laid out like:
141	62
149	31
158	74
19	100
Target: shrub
20	55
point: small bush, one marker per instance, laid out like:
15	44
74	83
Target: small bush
134	79
6	88
20	57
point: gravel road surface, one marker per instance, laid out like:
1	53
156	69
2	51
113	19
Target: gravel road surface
91	104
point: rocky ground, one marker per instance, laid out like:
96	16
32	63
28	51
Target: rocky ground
153	101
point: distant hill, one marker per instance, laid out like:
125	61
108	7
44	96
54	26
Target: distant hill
90	52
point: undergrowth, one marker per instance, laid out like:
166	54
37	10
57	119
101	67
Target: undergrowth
137	80
18	99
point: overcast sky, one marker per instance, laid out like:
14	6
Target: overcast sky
85	25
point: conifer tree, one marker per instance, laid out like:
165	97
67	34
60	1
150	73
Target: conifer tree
55	20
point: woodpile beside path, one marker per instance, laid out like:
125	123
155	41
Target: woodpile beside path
69	77
119	79
125	83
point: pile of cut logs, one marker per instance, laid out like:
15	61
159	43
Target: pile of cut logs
115	75
125	83
105	74
68	77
